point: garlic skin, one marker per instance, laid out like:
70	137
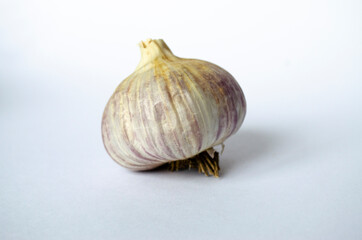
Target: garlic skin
170	109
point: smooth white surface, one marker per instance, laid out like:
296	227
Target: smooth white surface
292	172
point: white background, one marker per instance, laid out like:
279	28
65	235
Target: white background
293	171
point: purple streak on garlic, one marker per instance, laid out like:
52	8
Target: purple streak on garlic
170	109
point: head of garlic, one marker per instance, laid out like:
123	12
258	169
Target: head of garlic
171	110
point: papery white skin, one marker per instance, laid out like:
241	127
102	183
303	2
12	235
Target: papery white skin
170	109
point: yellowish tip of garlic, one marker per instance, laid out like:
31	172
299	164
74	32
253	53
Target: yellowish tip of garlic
151	50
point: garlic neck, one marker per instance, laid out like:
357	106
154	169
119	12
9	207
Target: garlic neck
153	49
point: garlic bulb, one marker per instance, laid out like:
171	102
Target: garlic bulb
172	110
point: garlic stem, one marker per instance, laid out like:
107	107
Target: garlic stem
151	50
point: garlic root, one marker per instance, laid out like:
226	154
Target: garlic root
203	162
